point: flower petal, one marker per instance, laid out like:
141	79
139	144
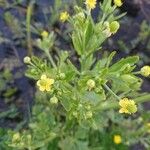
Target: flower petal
123	110
42	88
48	88
38	83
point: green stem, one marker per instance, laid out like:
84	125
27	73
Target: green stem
83	61
28	28
142	99
51	59
103	18
33	65
111	92
138	72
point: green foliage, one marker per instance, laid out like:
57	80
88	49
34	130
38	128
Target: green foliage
80	110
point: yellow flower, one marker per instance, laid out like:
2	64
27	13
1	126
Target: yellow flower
117	139
64	16
45	83
44	34
91	4
118	3
145	71
127	106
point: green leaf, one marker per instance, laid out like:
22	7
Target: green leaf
77	43
110	58
124	61
93	97
88	32
72	67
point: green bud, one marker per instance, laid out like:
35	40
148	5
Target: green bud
140	119
88	107
75	114
54	100
33	70
91	84
59	93
89	114
27	60
80	105
47	109
29	137
62	75
16	137
42	65
80	16
114	26
97	90
66	52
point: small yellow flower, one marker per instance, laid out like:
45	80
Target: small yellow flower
54	100
127	106
45	83
44	34
145	71
64	16
91	4
117	139
118	3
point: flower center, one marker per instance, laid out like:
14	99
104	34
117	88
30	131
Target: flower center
43	82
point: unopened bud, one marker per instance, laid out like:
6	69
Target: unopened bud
62	75
89	114
114	26
54	100
27	60
16	137
91	84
